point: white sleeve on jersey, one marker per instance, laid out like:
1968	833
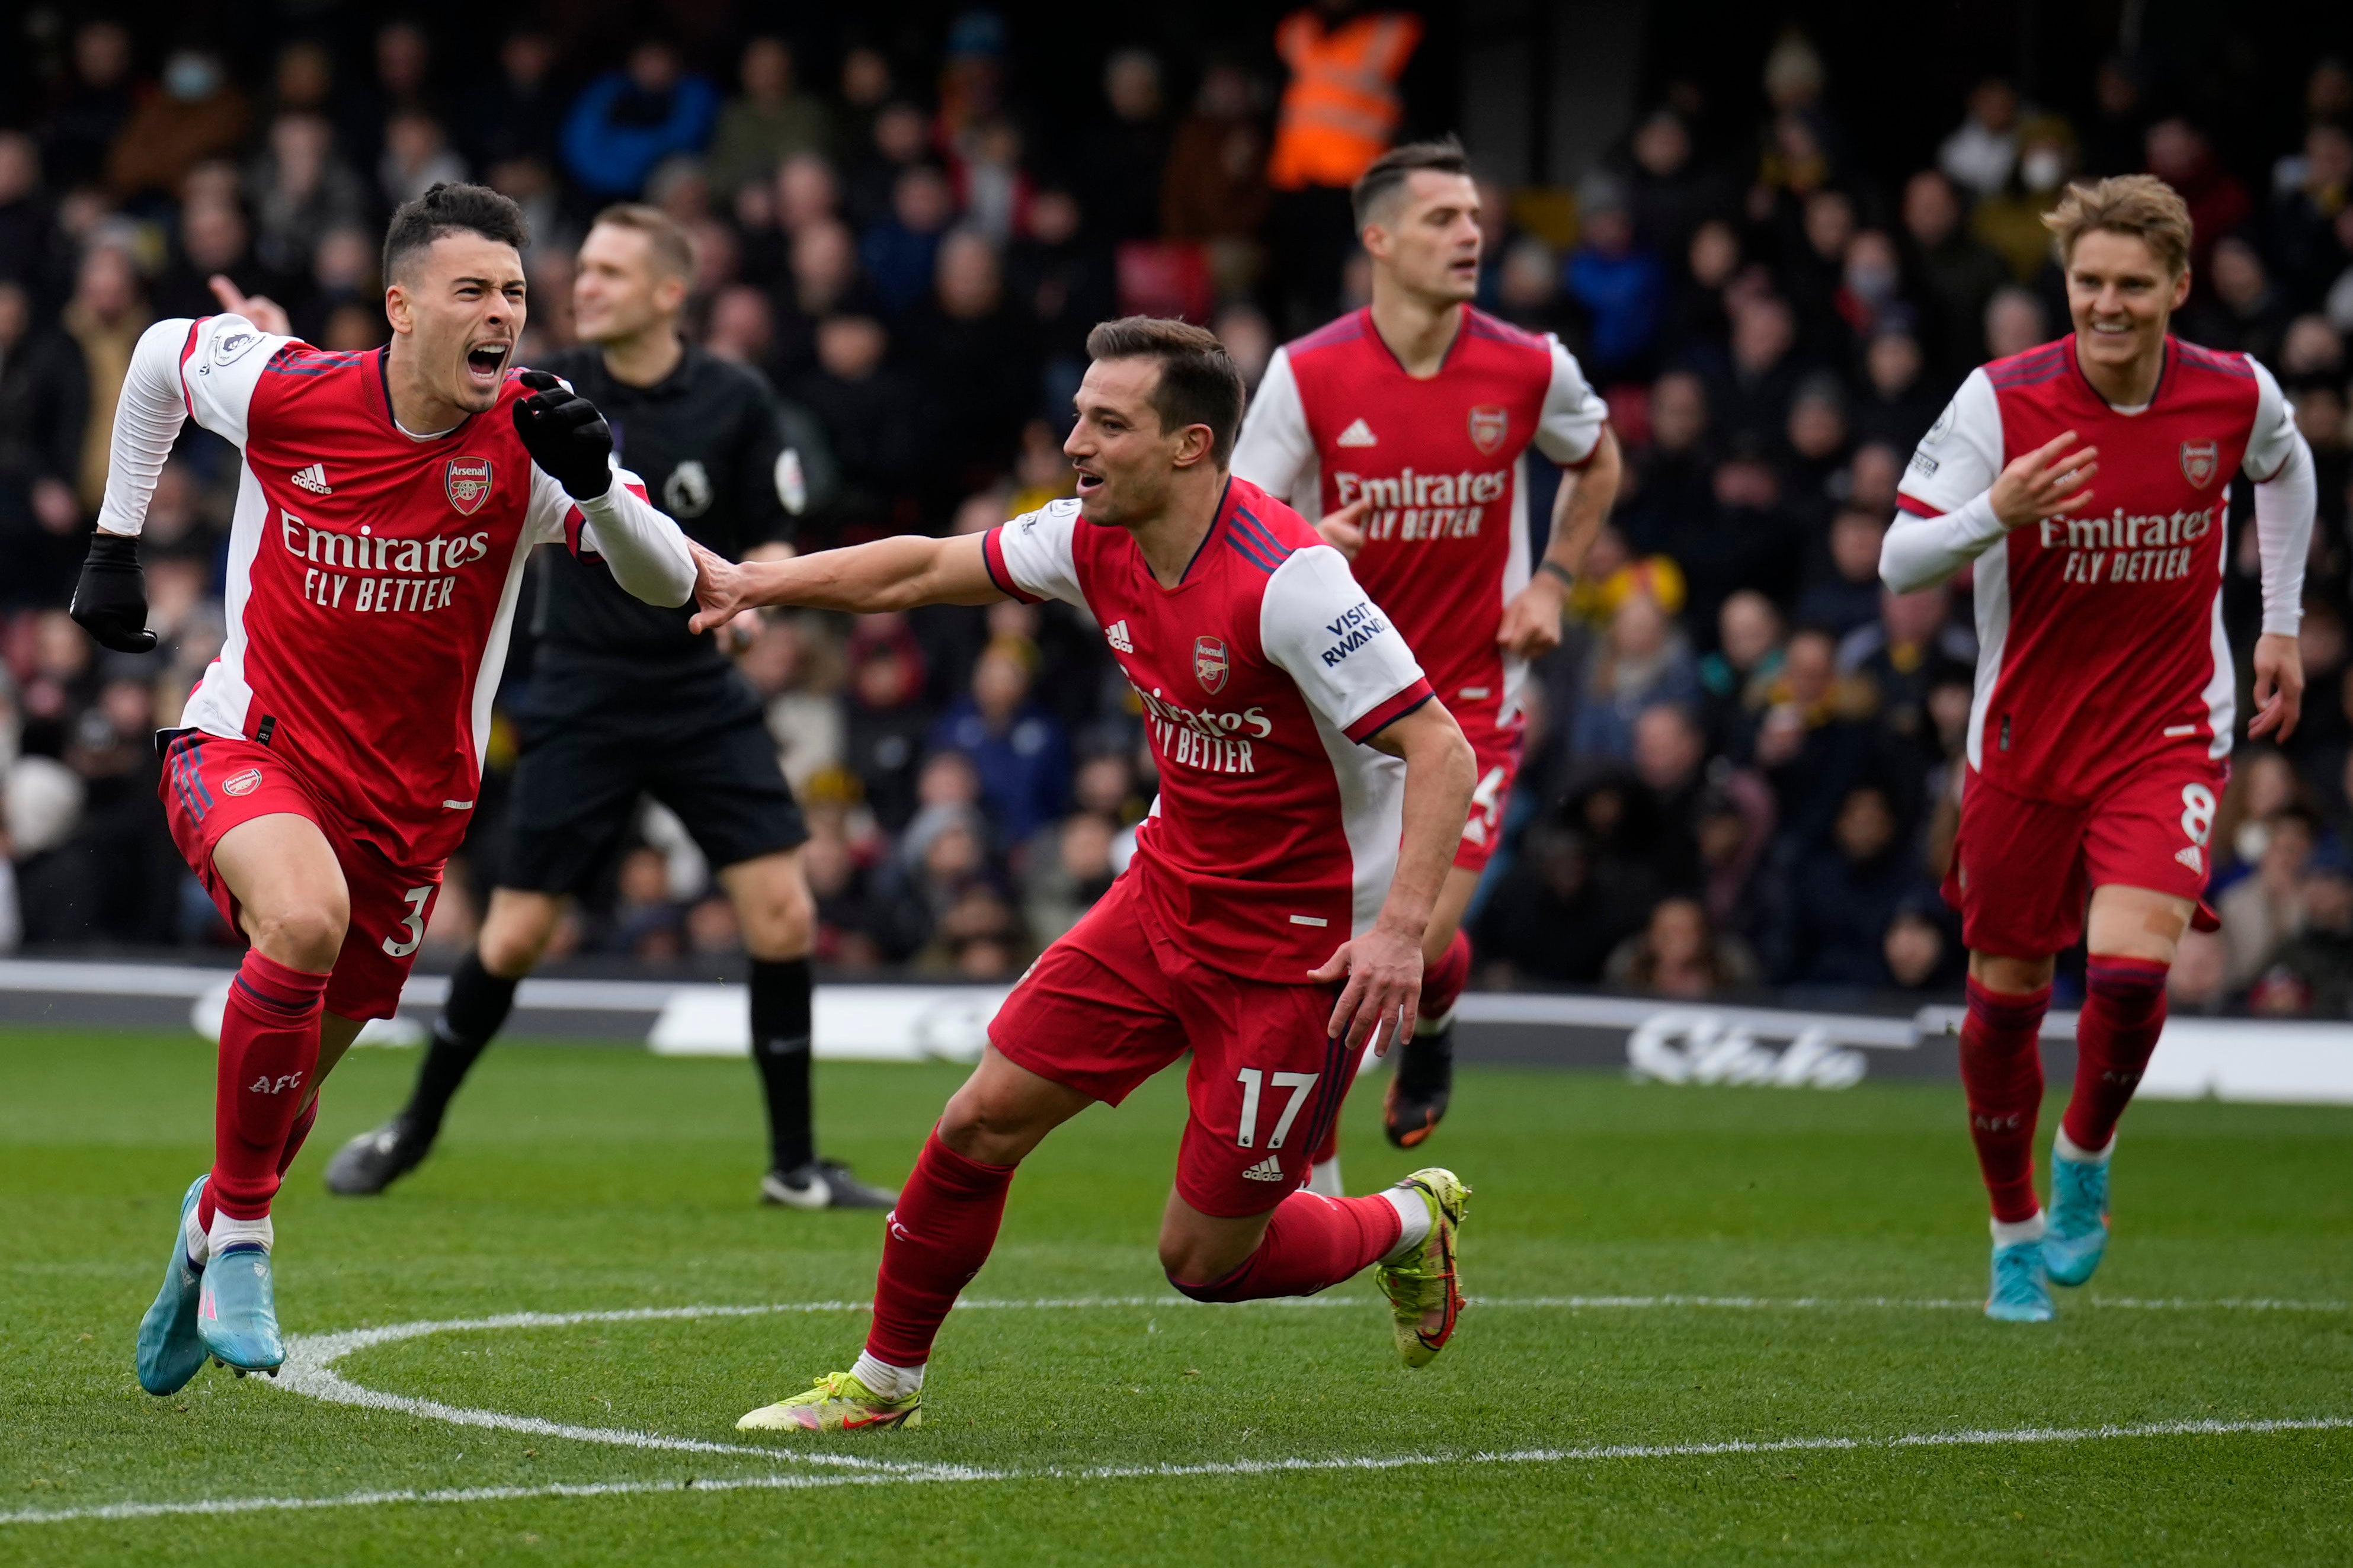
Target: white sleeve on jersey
216	381
1036	551
2287	494
643	549
1275	450
2272	440
1948	520
1350	664
1574	416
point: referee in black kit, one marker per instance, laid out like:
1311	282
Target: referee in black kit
624	700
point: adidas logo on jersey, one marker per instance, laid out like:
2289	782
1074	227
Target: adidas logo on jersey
1117	634
1358	434
314	479
2190	857
1267	1170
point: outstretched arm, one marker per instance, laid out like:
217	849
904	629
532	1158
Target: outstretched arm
896	574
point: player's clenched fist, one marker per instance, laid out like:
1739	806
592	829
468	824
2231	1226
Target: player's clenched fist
565	434
2044	482
110	600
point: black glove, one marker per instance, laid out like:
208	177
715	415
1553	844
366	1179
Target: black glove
565	434
110	600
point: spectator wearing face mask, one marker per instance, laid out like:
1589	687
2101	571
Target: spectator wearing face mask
198	114
2010	219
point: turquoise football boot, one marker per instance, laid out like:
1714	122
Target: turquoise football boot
237	1310
2078	1236
171	1351
2020	1294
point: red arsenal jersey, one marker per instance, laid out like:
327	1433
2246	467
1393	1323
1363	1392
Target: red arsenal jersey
1261	674
372	579
2101	632
1444	461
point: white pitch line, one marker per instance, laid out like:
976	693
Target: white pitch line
941	1475
310	1371
310	1363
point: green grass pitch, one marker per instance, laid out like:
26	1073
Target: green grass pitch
1093	1417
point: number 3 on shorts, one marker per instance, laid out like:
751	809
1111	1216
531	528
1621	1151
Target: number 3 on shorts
2197	812
416	898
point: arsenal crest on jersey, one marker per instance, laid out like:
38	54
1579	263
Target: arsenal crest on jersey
1489	424
1210	663
468	480
2199	459
245	783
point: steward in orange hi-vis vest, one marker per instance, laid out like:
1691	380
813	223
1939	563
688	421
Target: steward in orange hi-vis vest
1342	107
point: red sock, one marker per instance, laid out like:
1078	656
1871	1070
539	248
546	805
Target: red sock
1442	983
2001	1073
2124	1009
295	1135
1310	1243
269	1044
933	1243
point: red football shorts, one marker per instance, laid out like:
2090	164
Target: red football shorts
2023	870
1498	752
1113	1002
211	784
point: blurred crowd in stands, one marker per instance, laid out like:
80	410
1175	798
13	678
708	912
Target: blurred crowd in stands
1742	760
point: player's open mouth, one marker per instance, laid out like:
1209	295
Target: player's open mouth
1089	483
488	362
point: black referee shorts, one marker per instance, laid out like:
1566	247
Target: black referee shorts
577	781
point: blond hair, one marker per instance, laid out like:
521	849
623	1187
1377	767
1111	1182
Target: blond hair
672	248
2141	205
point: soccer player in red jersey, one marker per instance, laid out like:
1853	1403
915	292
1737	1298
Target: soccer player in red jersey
2088	482
332	753
1405	427
1311	792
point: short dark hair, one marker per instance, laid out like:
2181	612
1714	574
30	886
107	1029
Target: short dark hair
673	248
445	209
1388	173
1198	383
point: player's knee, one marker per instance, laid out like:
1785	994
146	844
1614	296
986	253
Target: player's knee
777	922
512	950
2009	976
516	933
990	1128
1200	1266
305	934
